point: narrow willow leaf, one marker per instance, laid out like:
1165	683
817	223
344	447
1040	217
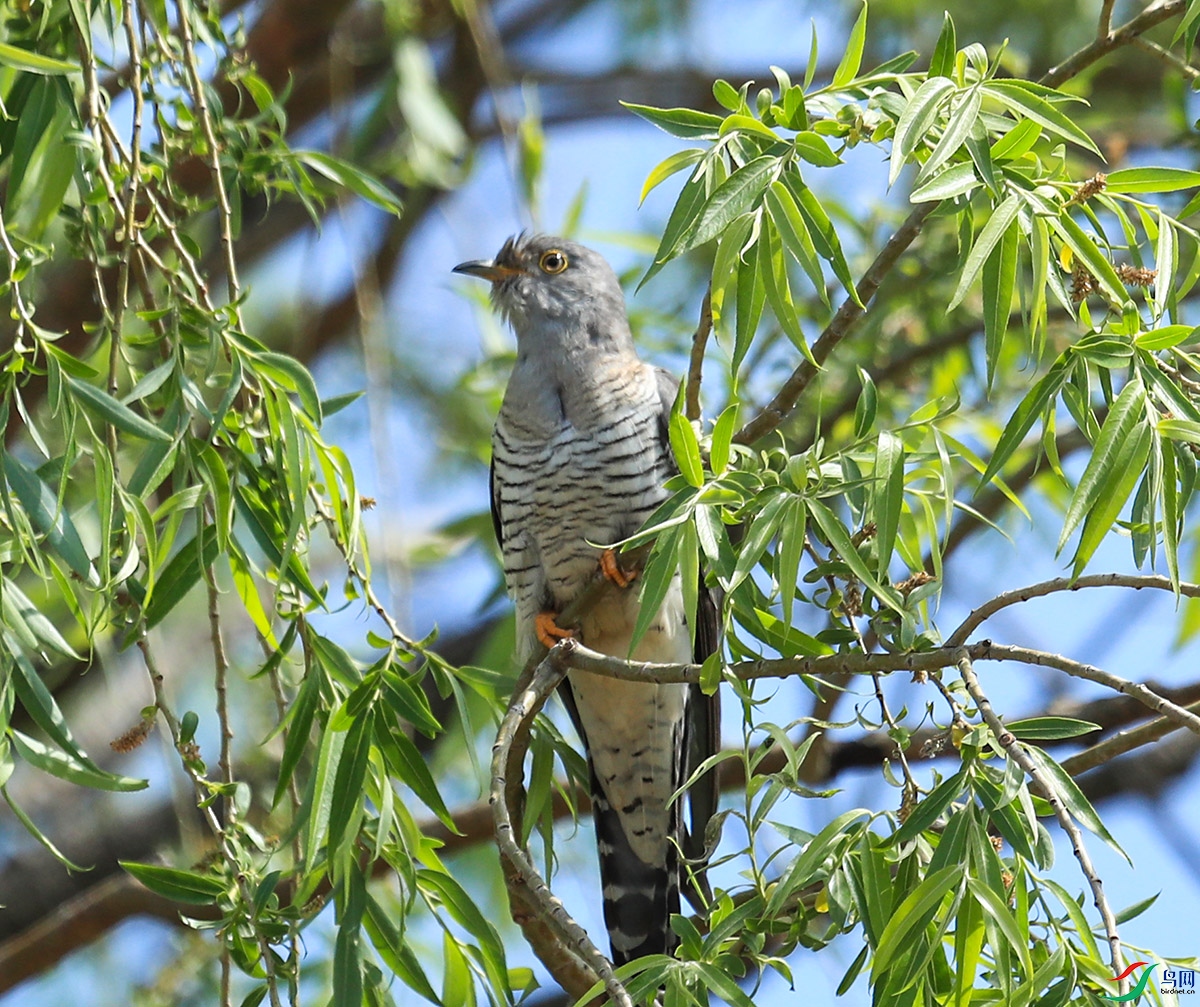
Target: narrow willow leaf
996	908
48	517
189	887
824	235
740	192
67	767
346	175
773	268
999	287
958	127
1127	413
19	610
34	62
957	180
682	122
656	580
1088	252
851	60
1050	728
668	167
814	148
837	536
998	224
727	266
1127	467
722	439
748	124
1151	180
941	63
686	448
1020	97
887	496
1023	418
807	867
112	411
915	121
912	915
407	765
789	221
762	530
1166	259
680	223
930	808
791	548
1076	803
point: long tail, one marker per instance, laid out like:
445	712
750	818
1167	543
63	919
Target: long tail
639	898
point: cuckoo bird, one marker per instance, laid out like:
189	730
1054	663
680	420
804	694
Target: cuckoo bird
580	454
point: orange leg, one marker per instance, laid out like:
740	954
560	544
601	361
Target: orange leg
612	569
549	631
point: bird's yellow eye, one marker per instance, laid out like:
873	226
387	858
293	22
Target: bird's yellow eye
553	261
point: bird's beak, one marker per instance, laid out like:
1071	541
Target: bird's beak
487	269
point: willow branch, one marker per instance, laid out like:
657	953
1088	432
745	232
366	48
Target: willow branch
691	394
507	758
1058	585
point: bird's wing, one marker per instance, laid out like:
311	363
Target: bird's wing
702	727
494	498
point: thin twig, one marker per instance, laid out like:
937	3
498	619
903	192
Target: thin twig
1060	584
214	151
1168	57
691	393
522	708
1018	753
1106	10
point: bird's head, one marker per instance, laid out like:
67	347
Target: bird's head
555	291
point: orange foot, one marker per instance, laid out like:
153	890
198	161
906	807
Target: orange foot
612	569
549	631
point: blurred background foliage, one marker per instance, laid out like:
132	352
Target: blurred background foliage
477	120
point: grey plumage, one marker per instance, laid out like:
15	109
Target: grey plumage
579	457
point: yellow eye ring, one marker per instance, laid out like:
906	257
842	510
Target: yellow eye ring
553	261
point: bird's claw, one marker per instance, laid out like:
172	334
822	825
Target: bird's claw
612	569
548	631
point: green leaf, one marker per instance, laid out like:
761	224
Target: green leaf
48	518
959	126
681	224
1151	180
915	121
1166	336
682	122
1099	478
294	377
182	573
851	60
941	63
686	448
999	286
668	167
996	227
789	222
1026	414
867	405
738	193
660	570
114	412
758	537
912	915
67	767
887	496
20	611
1073	798
929	809
189	887
808	867
407	765
34	62
1050	728
1128	464
996	908
836	535
957	180
748	124
791	548
350	177
824	235
1020	96
815	149
722	439
1088	252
